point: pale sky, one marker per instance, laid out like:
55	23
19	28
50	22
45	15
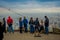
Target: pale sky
30	6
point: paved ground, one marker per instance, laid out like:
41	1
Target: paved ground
28	36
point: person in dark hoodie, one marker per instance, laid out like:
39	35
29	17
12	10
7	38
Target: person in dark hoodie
46	24
25	22
4	24
37	26
1	31
10	23
20	24
31	23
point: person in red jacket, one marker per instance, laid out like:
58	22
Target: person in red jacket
10	22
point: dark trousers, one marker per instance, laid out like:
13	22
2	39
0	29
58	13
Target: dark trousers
46	29
21	30
1	39
5	29
31	29
25	26
1	36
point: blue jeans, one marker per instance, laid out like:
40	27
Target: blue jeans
10	28
31	29
46	29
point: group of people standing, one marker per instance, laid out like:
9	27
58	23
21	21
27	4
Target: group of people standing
22	23
35	25
3	27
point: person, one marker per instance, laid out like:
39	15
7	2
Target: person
41	26
46	24
4	24
37	26
20	24
10	23
25	22
31	23
1	31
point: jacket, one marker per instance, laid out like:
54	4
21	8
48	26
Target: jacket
9	20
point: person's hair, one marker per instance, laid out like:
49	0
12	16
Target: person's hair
37	18
4	18
41	21
20	18
24	17
45	16
31	18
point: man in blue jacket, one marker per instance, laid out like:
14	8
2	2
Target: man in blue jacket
25	22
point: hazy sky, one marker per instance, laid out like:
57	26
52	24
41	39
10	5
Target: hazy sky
30	6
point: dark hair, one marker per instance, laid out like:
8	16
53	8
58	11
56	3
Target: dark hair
20	18
3	18
45	16
31	17
36	18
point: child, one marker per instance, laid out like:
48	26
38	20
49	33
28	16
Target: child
41	26
20	24
31	22
1	31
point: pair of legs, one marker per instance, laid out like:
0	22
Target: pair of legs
31	29
46	30
41	29
21	29
37	31
5	29
25	27
1	38
10	28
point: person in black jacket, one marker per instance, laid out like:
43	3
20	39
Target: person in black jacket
1	31
46	24
4	24
31	23
37	27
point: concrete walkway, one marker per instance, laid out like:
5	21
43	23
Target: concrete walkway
28	36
